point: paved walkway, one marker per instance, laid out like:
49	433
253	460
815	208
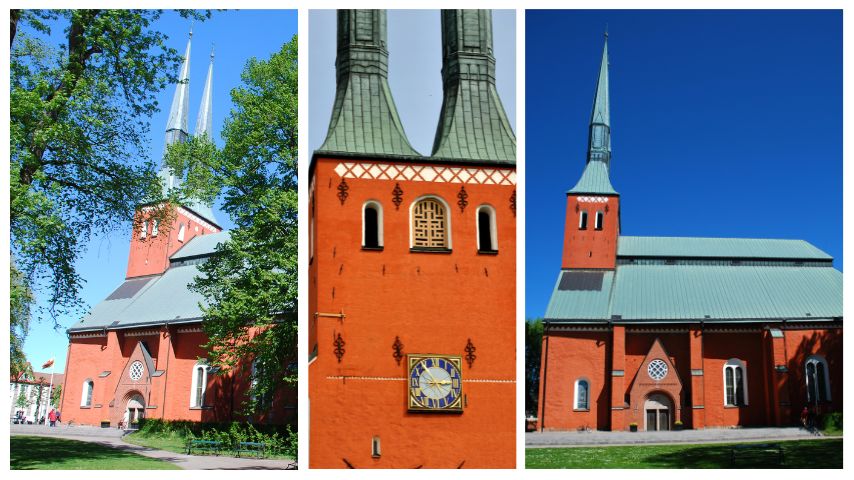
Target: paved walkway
112	437
710	435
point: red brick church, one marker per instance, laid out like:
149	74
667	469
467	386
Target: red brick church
139	353
412	264
661	332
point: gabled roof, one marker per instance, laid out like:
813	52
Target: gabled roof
693	293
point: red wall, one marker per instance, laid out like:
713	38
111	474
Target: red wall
435	303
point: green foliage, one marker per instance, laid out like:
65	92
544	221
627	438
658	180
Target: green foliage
20	312
22	400
251	284
830	423
533	347
56	395
80	101
280	441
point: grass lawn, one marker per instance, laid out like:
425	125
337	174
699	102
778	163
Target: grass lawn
797	454
47	453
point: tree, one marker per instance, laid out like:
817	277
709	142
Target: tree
533	350
251	283
56	395
20	312
22	401
79	111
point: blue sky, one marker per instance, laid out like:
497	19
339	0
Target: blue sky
415	65
724	124
237	36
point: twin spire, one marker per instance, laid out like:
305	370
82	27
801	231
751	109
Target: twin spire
595	179
177	129
473	126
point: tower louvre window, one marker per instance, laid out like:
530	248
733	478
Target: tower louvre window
429	224
372	228
600	219
181	230
582	220
487	235
154	226
144	232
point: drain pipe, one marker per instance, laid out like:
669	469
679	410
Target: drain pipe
543	375
166	374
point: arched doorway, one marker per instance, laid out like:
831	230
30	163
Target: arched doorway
134	411
658	412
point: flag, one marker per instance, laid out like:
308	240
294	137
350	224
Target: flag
48	363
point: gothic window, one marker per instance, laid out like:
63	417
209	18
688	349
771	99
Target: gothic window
582	395
372	225
88	389
818	384
144	231
600	220
181	231
735	383
200	385
430	224
582	220
487	235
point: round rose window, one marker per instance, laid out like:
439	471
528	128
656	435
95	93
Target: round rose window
136	370
657	369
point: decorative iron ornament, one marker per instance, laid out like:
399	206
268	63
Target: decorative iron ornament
342	190
398	349
470	356
513	202
339	347
463	198
397	196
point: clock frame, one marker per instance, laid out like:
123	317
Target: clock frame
418	400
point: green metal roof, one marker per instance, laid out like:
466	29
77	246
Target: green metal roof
473	124
718	248
594	180
665	293
364	117
201	245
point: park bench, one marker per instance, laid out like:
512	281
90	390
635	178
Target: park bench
204	446
756	452
258	448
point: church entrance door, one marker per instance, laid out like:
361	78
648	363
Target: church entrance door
658	410
135	411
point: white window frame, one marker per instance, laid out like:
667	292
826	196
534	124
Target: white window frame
575	405
379	208
194	399
448	215
818	360
88	393
181	231
599	221
733	364
154	227
582	220
493	225
144	232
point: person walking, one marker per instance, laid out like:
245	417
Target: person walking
52	417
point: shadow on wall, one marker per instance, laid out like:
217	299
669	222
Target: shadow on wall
824	343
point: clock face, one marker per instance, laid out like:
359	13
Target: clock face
435	383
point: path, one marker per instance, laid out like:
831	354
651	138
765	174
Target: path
709	435
112	437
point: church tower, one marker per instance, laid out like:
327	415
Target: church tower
593	206
151	243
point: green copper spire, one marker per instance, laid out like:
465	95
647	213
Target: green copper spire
600	120
364	118
473	125
595	179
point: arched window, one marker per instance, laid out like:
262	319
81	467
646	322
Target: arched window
431	224
372	225
144	230
582	394
818	380
88	390
582	220
154	225
181	230
487	234
200	385
735	383
600	220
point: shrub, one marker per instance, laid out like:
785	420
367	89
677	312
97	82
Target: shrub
830	421
279	440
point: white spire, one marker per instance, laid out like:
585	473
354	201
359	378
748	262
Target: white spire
204	123
176	127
